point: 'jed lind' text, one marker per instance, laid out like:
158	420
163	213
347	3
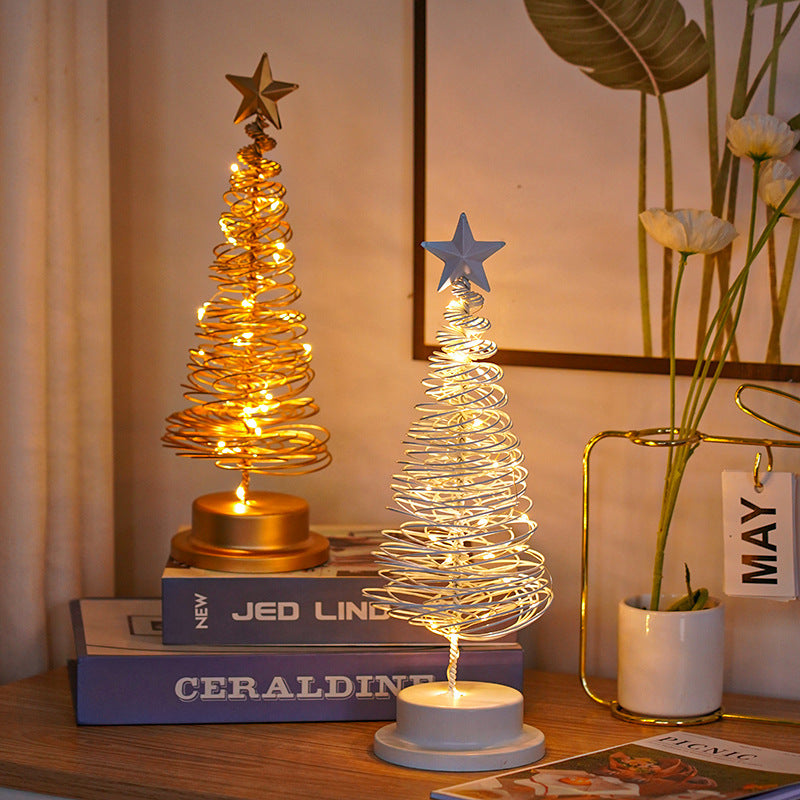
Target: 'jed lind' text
290	611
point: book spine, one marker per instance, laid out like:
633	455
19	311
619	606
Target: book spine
279	611
275	687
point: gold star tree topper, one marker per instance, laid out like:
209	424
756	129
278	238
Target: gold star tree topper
463	256
260	93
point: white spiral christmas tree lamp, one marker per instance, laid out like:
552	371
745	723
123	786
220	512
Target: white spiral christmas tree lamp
462	565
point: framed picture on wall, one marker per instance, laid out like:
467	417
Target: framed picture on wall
545	158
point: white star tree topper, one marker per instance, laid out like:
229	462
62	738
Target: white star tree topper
463	256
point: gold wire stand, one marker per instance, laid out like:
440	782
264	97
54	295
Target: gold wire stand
655	437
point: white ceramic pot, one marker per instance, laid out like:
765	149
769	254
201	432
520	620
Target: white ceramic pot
670	663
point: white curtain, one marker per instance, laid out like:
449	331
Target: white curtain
56	524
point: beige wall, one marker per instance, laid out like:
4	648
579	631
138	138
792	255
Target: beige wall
346	152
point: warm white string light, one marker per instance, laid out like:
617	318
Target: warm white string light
249	373
462	566
249	379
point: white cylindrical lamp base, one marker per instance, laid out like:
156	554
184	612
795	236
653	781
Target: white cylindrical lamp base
479	727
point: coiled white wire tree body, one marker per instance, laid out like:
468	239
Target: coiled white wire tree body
462	565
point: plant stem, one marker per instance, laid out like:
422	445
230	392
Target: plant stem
644	288
739	104
753	205
774	345
723	323
739	101
672	336
773	58
774	342
666	277
724	258
772	274
713	161
711	94
667	504
673	355
672	485
676	465
727	177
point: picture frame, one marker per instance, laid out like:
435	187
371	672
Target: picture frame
428	128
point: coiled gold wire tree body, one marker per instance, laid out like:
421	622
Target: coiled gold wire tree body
250	371
462	565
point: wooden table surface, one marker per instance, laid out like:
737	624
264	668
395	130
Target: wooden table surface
42	750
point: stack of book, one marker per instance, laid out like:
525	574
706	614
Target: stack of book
280	647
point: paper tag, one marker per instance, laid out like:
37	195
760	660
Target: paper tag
759	531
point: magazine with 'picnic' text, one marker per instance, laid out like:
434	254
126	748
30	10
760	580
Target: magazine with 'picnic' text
670	766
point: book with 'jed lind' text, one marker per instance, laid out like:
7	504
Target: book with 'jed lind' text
124	674
319	606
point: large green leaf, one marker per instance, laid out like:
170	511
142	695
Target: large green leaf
645	45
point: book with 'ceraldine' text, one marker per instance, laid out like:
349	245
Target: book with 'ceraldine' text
124	674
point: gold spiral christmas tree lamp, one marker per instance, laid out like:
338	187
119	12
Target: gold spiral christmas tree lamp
249	373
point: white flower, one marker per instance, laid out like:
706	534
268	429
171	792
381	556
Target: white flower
774	182
761	136
688	230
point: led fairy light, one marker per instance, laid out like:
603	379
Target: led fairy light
249	375
462	565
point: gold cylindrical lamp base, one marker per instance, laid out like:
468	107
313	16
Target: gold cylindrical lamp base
269	533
